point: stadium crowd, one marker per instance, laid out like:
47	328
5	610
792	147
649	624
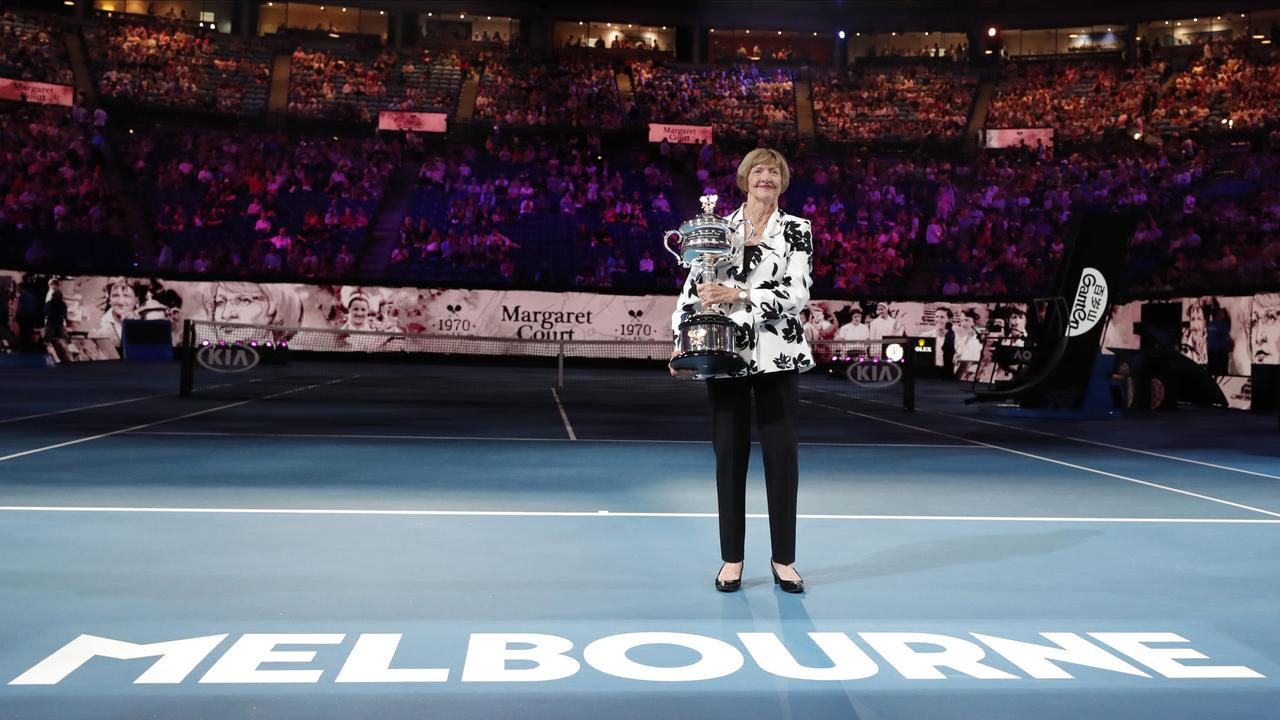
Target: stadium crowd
51	175
516	208
740	102
1232	91
32	49
1078	99
916	102
347	85
248	204
496	203
163	63
571	92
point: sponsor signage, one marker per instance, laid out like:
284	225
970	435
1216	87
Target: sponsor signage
1015	137
412	121
227	358
1089	304
494	657
874	374
686	134
36	92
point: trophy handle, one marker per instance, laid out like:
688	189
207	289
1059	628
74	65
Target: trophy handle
666	244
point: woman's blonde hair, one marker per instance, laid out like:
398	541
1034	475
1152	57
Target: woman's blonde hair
768	158
283	305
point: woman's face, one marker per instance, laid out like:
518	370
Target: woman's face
1264	335
358	312
1195	316
246	305
966	323
122	300
764	183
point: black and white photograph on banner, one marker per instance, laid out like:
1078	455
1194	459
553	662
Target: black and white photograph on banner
1226	333
1237	389
1264	329
1216	333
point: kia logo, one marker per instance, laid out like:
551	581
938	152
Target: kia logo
227	358
873	375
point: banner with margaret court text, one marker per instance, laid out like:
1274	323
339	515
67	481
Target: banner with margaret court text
98	307
688	134
36	92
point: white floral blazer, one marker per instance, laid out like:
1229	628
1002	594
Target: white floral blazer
776	274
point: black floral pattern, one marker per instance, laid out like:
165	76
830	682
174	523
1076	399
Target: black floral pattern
770	311
793	331
799	238
744	336
751	255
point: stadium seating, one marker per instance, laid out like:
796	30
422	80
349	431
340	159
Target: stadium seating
564	189
156	62
740	103
904	103
343	83
32	49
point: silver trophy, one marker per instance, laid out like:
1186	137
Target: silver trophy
708	243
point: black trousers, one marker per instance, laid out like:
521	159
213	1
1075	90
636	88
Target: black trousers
777	402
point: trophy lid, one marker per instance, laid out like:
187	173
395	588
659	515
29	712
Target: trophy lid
707	220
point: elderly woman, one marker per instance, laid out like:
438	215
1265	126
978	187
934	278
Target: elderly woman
254	304
765	295
121	298
272	305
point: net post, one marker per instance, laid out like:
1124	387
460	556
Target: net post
560	366
909	383
188	355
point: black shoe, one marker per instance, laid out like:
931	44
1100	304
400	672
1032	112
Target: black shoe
728	585
788	586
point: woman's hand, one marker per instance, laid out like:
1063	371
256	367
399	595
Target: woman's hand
715	293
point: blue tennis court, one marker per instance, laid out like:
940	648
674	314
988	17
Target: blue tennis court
330	544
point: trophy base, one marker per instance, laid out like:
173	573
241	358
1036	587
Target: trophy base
709	362
706	343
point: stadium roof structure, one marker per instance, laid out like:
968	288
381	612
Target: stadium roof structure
864	15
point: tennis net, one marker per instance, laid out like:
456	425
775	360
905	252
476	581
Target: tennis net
223	359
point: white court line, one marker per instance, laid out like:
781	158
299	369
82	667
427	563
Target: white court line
306	387
612	514
480	438
563	415
1109	445
82	407
99	436
1055	462
77	441
104	404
